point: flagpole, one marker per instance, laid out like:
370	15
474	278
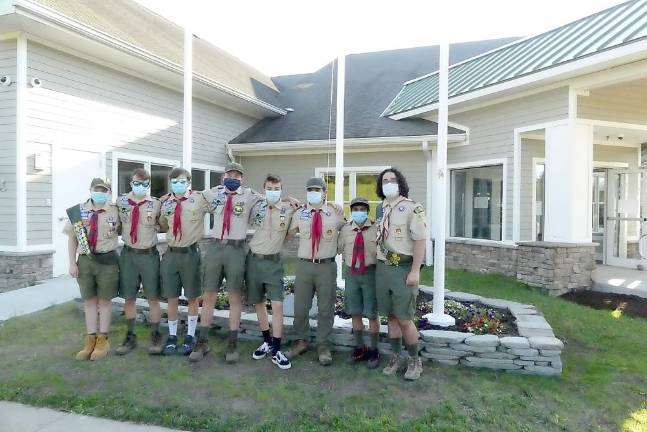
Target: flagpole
438	316
187	128
339	145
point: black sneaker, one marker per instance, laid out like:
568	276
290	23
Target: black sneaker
170	347
373	358
128	345
187	345
262	351
281	361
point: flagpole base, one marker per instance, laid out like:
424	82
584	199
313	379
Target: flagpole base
441	320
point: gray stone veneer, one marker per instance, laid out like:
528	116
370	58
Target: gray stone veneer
22	269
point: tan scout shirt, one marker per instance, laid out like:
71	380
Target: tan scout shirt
331	221
193	210
108	227
347	242
149	214
405	223
271	223
244	200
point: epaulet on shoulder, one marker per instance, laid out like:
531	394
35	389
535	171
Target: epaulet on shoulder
165	197
155	199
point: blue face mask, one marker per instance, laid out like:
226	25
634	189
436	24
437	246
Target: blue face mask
139	190
272	196
359	216
231	183
99	197
179	188
314	197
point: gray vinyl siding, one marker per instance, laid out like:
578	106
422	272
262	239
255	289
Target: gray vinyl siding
492	132
295	170
623	102
85	103
8	145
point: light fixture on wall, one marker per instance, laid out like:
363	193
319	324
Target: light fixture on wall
3	184
6	80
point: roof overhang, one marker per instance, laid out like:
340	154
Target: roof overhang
351	145
44	26
554	77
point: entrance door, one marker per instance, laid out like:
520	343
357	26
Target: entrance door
626	230
72	172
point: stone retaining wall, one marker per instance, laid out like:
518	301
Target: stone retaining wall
20	270
481	257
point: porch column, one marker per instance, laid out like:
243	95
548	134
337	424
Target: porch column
569	168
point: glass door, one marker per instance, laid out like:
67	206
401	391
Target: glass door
598	211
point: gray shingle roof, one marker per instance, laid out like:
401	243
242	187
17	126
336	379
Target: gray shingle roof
372	80
611	28
131	22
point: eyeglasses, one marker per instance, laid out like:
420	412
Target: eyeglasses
141	183
179	181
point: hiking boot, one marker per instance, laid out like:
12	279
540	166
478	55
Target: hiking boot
88	346
187	345
281	361
201	349
101	348
262	351
373	358
170	347
128	345
394	365
156	344
232	356
325	357
414	369
298	348
358	354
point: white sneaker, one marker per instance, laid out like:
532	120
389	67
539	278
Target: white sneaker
261	351
281	361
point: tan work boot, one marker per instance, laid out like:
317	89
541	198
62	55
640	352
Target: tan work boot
394	365
201	349
414	369
298	348
232	355
88	347
101	348
325	356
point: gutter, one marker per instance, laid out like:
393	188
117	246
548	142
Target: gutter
28	8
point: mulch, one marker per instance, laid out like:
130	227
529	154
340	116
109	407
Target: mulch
627	304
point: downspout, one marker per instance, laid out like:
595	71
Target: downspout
230	154
429	251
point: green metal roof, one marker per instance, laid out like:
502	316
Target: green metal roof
610	28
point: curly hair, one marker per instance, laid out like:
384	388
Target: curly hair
402	183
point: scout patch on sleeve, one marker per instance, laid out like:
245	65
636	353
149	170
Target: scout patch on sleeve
304	214
167	207
419	210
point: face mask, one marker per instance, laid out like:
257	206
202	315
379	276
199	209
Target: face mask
272	196
314	197
359	216
232	184
99	197
179	188
139	190
390	190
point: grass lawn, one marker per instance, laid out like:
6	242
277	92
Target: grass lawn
603	387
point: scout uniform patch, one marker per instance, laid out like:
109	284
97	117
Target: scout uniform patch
239	208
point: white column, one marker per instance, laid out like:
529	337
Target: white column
339	147
438	317
21	142
569	167
187	130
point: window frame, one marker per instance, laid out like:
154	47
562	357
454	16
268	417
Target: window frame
352	172
208	169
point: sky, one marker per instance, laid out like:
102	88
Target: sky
299	36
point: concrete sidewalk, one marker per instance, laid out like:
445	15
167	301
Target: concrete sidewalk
619	280
38	297
21	418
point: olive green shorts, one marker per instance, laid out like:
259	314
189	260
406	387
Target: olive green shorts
139	269
359	293
224	261
181	270
394	297
263	278
97	280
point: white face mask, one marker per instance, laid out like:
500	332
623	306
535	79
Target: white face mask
314	197
390	190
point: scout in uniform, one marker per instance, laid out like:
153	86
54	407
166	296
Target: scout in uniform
93	231
264	271
139	262
182	218
231	205
401	239
318	225
358	246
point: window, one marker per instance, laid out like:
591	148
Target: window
124	170
215	178
477	202
159	179
358	181
540	192
599	201
203	178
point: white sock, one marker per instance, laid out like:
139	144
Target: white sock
193	323
172	328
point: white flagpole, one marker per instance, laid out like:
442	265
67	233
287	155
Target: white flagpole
187	130
438	316
339	145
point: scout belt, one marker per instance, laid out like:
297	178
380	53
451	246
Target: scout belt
272	257
149	250
184	249
234	243
107	258
394	258
318	260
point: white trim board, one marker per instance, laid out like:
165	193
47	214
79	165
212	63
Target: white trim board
21	142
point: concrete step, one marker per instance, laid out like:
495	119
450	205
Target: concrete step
620	280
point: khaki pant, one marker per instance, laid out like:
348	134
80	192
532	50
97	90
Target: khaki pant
321	279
